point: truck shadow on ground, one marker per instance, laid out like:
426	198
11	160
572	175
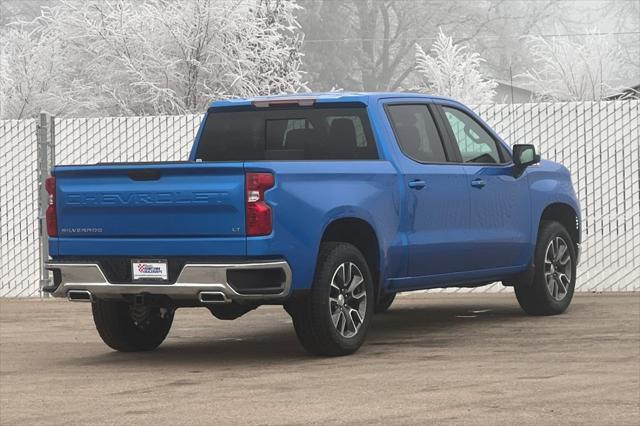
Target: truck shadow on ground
401	328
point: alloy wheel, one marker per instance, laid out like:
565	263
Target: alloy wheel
347	299
558	268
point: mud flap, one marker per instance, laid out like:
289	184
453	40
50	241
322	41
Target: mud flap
524	278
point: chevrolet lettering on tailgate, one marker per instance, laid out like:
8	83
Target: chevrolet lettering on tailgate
144	198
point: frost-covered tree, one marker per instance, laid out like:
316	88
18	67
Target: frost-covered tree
572	69
33	71
370	44
452	70
151	57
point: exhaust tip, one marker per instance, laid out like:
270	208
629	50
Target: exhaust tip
213	297
79	296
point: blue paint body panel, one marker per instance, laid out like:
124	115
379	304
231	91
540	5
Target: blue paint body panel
446	234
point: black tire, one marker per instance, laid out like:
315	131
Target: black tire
116	325
312	316
384	302
536	298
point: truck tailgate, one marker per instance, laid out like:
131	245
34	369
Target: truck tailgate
151	200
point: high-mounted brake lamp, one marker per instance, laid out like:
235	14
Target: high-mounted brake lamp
290	101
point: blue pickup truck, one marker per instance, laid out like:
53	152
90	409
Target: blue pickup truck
327	204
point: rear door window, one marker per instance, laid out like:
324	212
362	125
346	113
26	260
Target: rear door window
287	134
416	133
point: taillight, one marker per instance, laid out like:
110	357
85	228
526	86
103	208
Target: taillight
52	220
257	212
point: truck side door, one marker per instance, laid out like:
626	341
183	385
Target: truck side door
436	201
500	205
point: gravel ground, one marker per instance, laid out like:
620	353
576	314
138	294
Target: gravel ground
437	358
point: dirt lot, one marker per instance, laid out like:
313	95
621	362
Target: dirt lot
433	358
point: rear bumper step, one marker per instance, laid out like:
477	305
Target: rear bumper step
201	282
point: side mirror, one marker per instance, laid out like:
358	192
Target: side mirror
525	155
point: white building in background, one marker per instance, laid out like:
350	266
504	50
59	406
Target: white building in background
509	93
633	92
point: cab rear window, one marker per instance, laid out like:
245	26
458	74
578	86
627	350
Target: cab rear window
337	133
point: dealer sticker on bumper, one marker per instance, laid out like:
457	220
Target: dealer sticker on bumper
149	270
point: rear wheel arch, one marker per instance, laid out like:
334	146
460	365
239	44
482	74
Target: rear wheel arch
362	235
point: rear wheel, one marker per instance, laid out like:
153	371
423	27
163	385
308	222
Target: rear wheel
554	279
334	318
130	328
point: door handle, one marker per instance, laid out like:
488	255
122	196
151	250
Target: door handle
417	184
478	183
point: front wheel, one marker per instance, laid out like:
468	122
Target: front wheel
554	279
130	328
334	317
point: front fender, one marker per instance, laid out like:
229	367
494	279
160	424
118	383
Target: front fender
550	183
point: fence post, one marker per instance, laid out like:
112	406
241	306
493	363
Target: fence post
46	156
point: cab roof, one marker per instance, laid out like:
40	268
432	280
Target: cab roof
321	97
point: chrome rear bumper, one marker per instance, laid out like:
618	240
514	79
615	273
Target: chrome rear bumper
196	282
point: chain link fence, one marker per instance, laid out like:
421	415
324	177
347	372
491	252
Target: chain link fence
19	242
598	141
